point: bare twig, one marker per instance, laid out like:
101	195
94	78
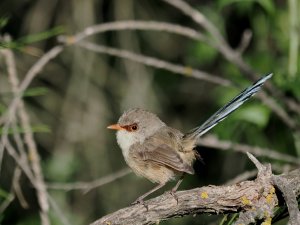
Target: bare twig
11	196
213	142
266	210
59	212
29	140
150	61
7	202
135	25
188	32
35	165
18	140
294	38
276	108
88	186
32	72
215	34
242	177
24	165
246	38
263	170
17	188
251	173
223	47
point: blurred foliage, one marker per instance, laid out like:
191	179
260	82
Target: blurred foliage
34	128
30	39
80	92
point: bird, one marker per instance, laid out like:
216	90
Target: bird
161	153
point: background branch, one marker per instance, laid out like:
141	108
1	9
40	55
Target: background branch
29	139
212	141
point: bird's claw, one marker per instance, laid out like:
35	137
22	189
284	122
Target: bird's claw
140	201
172	192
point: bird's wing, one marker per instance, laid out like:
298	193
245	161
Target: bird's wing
160	148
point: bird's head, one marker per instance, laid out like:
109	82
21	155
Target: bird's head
135	125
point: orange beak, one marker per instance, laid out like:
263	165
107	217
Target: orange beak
115	127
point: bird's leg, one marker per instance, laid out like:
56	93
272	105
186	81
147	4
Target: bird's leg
174	189
140	199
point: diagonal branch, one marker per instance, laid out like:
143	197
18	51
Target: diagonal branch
230	54
211	141
154	62
88	186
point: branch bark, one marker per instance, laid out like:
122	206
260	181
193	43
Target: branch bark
253	199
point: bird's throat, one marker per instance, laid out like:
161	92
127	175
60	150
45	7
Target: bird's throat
125	141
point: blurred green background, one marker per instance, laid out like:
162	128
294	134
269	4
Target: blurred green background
80	92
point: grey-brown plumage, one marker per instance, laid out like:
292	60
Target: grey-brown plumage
154	150
161	153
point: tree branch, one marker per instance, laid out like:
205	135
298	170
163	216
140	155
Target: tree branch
254	199
154	62
28	138
212	141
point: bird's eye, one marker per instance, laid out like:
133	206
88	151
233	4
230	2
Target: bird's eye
134	127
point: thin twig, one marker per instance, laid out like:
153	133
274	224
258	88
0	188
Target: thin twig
59	212
213	142
32	72
29	140
34	160
245	41
88	186
17	189
188	32
230	54
135	25
7	202
241	177
11	196
276	108
24	165
215	34
151	61
251	173
293	37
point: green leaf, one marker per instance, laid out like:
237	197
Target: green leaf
3	21
41	36
37	91
30	92
35	129
253	113
32	38
3	193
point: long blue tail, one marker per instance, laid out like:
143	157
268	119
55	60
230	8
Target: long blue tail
230	107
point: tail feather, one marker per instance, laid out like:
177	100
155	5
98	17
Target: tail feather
230	107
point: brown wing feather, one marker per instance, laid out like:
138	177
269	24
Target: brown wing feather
160	148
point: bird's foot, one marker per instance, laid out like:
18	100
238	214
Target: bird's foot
173	193
140	201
